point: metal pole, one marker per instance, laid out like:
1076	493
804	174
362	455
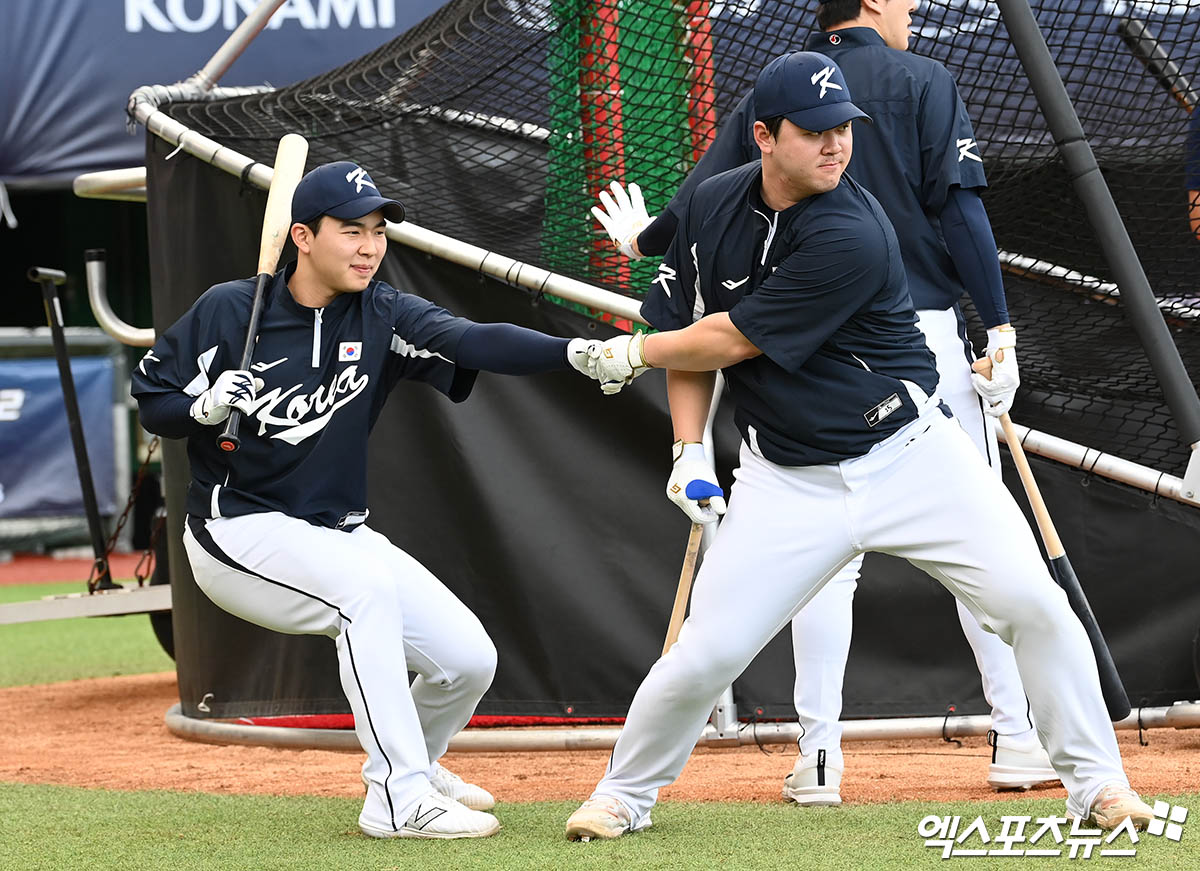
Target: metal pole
49	279
1104	217
212	71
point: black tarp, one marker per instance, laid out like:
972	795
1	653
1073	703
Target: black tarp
540	503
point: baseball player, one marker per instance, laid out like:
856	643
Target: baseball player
276	533
788	276
920	159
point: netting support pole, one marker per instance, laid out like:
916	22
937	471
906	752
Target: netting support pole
1081	165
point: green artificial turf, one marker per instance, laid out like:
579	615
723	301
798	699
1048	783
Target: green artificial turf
68	828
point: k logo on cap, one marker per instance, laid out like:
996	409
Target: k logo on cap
808	89
341	190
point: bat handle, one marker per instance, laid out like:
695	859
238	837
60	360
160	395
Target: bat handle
228	441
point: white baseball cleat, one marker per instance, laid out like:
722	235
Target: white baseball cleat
452	786
600	817
1116	803
812	783
1020	765
436	816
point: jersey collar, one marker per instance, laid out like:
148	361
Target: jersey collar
282	297
755	199
850	37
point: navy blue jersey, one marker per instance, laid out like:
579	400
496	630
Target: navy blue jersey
820	289
920	144
326	374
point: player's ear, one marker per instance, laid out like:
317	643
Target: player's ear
301	237
763	138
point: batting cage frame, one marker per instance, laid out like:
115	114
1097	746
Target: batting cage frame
545	675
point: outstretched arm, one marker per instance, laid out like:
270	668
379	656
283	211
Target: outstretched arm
713	342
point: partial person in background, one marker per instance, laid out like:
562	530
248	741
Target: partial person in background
1192	168
920	159
276	533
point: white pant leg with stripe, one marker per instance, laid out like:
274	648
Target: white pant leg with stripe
821	632
387	615
790	529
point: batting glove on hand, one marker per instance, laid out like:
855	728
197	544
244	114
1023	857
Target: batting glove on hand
620	361
623	217
234	388
999	390
692	482
582	355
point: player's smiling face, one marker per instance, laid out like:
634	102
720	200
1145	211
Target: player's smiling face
799	163
345	255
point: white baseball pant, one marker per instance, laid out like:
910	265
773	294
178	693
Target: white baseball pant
789	530
821	632
386	613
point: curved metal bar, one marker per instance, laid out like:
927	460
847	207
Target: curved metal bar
105	316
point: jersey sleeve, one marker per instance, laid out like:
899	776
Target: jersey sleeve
194	350
949	152
670	302
733	147
832	273
424	346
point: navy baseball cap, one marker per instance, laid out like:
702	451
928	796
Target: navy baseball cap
340	190
808	89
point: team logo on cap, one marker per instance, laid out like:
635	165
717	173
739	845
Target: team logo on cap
359	177
349	351
823	76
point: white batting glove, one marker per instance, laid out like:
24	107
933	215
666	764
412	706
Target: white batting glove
620	361
693	481
999	391
623	217
582	355
234	388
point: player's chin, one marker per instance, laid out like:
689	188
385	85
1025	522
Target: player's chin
829	176
358	279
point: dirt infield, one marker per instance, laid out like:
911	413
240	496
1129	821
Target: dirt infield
109	734
25	568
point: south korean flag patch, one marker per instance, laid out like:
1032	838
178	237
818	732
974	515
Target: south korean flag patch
349	351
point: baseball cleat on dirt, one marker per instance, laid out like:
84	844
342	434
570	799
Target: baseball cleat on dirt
1115	803
1018	765
601	817
812	783
452	786
436	816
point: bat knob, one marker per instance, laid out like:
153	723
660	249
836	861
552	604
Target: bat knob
229	444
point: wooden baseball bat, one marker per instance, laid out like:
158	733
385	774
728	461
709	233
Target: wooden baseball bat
1144	45
1115	697
277	224
685	586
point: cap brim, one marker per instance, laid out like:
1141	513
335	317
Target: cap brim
821	118
359	206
